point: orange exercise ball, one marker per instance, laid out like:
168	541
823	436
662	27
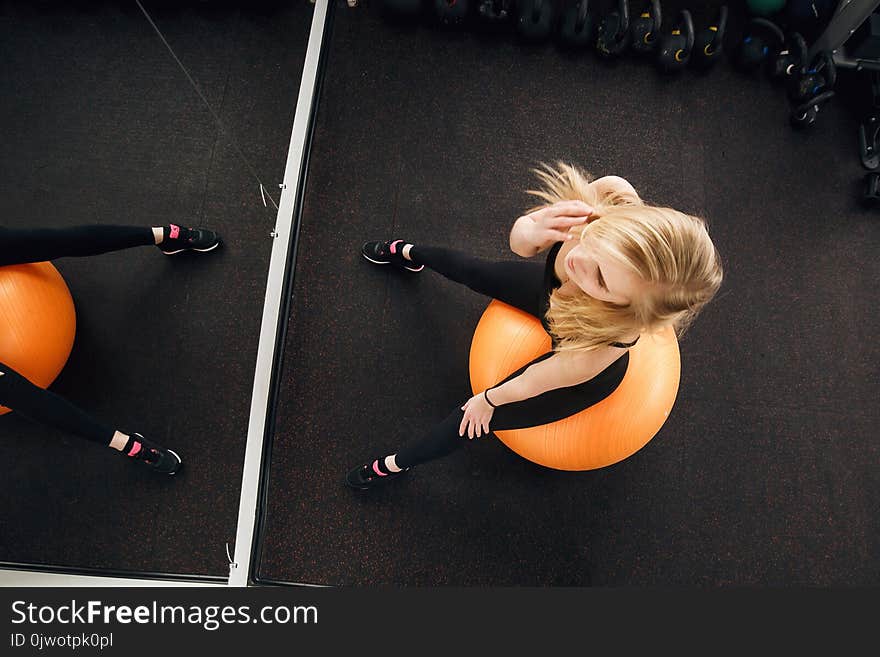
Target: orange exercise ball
37	322
507	338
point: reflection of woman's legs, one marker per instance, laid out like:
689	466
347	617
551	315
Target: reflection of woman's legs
515	282
45	407
19	246
39	405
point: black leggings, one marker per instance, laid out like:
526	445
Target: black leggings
39	405
520	284
40	245
18	246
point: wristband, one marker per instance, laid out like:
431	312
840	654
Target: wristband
486	397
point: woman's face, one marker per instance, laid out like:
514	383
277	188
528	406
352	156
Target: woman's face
600	276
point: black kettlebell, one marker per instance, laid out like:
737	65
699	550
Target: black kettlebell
804	115
762	41
677	45
709	42
814	78
534	20
451	12
576	25
790	60
612	33
644	29
494	11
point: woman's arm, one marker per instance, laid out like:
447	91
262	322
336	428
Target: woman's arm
561	370
558	371
521	243
538	230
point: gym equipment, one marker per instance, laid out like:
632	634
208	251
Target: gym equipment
812	78
804	115
709	42
644	29
612	32
871	191
762	41
39	322
576	25
853	44
869	142
765	7
865	41
495	11
507	338
451	12
845	21
811	87
790	60
535	18
677	44
809	17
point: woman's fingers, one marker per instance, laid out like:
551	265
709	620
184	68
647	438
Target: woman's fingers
565	216
568	222
473	428
570	208
466	426
471	424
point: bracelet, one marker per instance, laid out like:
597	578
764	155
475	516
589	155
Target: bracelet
486	397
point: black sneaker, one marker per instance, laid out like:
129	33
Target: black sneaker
389	253
365	477
188	239
152	455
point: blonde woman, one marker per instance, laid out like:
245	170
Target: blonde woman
616	268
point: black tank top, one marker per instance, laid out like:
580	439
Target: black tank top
551	282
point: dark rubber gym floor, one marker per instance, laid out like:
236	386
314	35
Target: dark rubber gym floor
763	475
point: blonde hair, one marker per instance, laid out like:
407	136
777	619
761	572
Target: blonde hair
669	250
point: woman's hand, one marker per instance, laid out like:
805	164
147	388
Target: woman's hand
537	230
477	414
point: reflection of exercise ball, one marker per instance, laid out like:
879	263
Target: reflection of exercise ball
37	322
507	338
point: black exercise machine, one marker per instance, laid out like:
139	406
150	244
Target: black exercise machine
853	37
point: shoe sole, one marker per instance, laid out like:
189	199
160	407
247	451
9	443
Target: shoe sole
379	483
380	262
179	463
354	486
358	488
210	248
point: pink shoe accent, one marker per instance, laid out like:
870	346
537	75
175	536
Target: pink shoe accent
135	449
377	470
393	245
174	233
